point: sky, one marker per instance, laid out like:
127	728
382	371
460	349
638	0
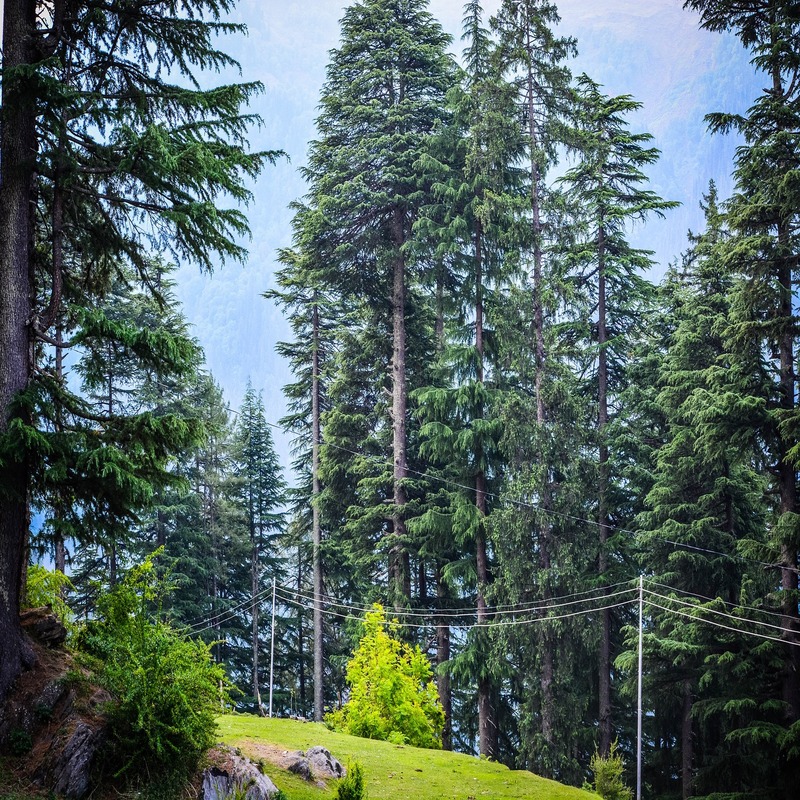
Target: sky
650	49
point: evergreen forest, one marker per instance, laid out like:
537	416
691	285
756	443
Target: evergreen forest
571	486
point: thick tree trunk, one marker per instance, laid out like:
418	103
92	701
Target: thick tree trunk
687	744
788	495
399	572
60	554
545	643
254	612
604	667
487	727
17	165
319	653
301	660
442	657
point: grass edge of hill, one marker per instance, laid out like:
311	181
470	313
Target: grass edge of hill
393	772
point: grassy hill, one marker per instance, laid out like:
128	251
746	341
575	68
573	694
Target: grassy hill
392	772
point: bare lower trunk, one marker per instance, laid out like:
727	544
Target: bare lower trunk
254	601
442	657
487	728
487	732
545	641
788	491
17	163
60	551
687	745
604	666
301	660
319	653
399	571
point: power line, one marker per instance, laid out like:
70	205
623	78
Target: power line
726	627
715	599
717	612
441	614
509	623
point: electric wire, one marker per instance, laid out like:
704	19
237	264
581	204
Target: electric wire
725	627
490	624
706	610
439	614
245	603
715	599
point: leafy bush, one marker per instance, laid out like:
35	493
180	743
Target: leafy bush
167	689
351	787
392	694
608	781
46	587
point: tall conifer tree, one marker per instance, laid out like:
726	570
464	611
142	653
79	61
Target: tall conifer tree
607	184
104	122
383	97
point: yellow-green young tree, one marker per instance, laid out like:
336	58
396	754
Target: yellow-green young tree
392	693
107	135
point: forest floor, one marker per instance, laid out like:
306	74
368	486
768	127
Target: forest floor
392	772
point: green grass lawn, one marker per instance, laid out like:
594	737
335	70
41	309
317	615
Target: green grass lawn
392	772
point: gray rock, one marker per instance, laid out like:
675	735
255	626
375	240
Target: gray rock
243	777
323	764
72	768
301	767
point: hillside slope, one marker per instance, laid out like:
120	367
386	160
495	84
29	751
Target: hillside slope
392	772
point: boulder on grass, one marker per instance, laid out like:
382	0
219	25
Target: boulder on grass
239	777
323	764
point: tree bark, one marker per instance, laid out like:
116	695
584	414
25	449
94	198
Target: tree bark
319	653
254	611
17	167
604	667
687	744
487	727
786	469
60	554
301	659
442	657
400	579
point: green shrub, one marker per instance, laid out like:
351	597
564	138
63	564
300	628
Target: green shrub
392	694
166	687
608	772
351	787
46	587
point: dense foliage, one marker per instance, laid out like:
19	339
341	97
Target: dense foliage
500	423
392	694
166	688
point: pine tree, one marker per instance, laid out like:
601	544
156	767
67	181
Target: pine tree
534	58
763	217
383	97
479	206
104	124
259	492
311	316
706	494
607	184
